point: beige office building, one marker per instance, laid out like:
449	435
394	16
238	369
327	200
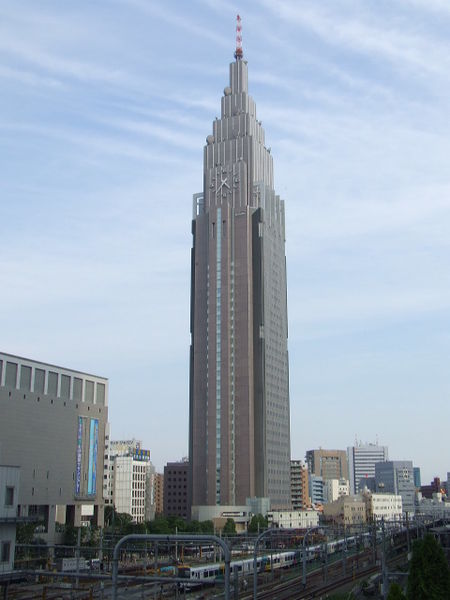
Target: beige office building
328	464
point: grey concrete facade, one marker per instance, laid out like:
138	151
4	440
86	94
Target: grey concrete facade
53	426
397	477
239	380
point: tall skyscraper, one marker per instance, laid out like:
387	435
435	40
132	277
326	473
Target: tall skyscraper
239	383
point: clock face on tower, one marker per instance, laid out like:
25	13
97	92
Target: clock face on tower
223	182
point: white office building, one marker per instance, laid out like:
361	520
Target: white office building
383	506
361	463
293	519
131	480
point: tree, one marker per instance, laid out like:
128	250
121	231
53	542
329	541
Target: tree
395	592
25	533
229	527
207	527
429	574
159	525
257	523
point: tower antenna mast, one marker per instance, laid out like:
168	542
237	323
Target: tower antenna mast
239	54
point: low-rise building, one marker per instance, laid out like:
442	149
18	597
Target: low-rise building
219	515
347	510
9	495
435	506
293	519
383	506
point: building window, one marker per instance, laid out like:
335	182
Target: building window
9	496
77	388
65	386
5	552
11	374
89	391
39	381
101	394
52	383
25	378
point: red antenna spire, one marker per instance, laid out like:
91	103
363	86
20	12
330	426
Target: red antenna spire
239	54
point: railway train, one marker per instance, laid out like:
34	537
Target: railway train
210	573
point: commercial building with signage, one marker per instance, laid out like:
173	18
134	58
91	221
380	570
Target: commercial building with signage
131	479
53	426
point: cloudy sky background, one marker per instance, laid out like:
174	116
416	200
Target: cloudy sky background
104	110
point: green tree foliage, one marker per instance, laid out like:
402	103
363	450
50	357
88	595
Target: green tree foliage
229	527
207	527
257	523
429	574
25	533
395	592
158	526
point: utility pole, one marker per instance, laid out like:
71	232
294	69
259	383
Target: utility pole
384	575
77	580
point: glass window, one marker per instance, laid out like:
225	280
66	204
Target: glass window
77	388
11	374
9	496
25	378
65	386
89	391
39	381
6	546
101	394
52	383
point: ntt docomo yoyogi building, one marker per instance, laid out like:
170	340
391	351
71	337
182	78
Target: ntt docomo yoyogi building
239	377
54	426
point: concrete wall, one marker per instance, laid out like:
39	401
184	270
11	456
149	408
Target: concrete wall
48	411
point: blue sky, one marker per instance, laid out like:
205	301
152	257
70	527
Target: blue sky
104	110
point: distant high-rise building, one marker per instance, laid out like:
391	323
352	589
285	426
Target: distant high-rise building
417	479
397	477
159	493
329	464
176	490
299	485
435	487
239	444
361	463
315	488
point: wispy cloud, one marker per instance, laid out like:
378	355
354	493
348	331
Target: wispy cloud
388	41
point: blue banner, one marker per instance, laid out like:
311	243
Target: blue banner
79	455
93	449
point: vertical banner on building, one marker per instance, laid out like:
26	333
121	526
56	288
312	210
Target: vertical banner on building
79	456
93	448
